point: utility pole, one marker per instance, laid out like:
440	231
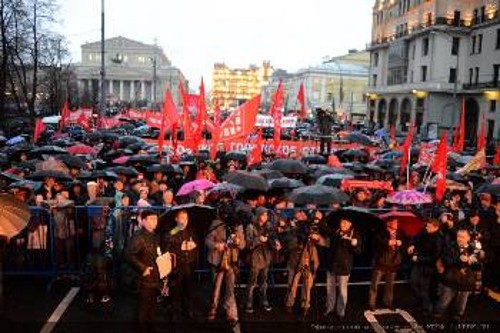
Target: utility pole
102	100
154	80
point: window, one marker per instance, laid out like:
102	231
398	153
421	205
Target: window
375	59
473	45
471	73
455	45
456	18
425	46
479	43
374	80
498	39
414	50
411	77
475	16
493	105
424	73
477	75
496	75
453	75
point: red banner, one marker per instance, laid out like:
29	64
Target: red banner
241	122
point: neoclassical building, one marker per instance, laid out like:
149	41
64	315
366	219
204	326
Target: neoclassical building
430	57
130	71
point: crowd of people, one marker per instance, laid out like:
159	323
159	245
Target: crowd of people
454	253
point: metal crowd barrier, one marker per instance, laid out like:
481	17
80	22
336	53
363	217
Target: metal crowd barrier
58	240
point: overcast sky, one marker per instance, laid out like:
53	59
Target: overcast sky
197	33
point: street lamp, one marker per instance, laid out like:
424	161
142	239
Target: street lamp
102	100
153	60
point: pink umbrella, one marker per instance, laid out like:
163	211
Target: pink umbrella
496	181
409	223
195	185
81	150
409	197
121	160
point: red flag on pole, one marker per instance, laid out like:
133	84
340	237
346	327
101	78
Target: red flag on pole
481	140
406	149
169	115
276	113
39	128
186	117
241	122
201	116
255	156
459	138
65	113
439	166
302	100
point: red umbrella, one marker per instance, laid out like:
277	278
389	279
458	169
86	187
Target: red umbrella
121	160
410	224
81	150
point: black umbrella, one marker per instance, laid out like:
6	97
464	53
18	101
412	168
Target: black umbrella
269	174
321	170
357	137
385	164
317	194
333	180
314	159
363	220
200	217
165	168
285	183
247	180
236	156
72	161
107	175
130	140
493	189
142	159
137	146
354	166
355	153
64	142
49	150
223	190
289	166
126	171
57	175
373	168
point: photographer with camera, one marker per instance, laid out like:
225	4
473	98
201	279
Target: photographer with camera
261	243
224	241
303	259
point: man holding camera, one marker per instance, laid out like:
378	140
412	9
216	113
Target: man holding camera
224	240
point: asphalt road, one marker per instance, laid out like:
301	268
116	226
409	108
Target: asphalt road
29	303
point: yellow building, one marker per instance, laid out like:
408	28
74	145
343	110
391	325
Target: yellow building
231	86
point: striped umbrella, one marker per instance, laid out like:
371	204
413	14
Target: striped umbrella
409	197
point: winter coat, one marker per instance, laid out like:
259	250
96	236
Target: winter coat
141	253
341	252
217	234
385	257
458	274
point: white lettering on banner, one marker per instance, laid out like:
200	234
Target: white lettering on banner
268	121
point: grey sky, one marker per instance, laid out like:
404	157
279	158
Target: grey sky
196	33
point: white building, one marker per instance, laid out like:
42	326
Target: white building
130	70
429	56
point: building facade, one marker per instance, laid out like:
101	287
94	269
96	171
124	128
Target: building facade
232	86
134	72
339	83
431	58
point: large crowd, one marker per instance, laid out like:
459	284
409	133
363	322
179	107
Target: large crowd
305	213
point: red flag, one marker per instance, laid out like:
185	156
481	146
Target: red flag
496	160
439	166
241	122
406	150
65	113
255	156
459	137
201	116
186	117
276	113
481	140
39	128
302	100
169	115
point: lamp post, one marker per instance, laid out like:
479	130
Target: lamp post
153	60
102	100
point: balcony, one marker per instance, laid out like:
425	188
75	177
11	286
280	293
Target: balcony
481	85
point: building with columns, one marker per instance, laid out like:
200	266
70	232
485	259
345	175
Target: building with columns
135	72
428	58
339	82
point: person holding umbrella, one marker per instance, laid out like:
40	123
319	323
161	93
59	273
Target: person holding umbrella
344	243
389	245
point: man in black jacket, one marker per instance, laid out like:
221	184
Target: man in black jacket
182	242
389	245
344	243
141	254
325	122
424	252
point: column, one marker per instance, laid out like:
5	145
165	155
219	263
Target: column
121	90
132	90
143	90
110	87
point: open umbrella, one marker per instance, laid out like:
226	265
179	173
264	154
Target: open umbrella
314	159
355	153
72	161
356	137
57	175
410	224
409	197
48	150
247	180
130	140
142	159
285	183
126	171
52	164
451	185
223	189
333	180
82	149
195	185
14	215
200	217
236	156
321	170
15	140
269	174
493	189
362	219
317	194
121	160
165	168
289	166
